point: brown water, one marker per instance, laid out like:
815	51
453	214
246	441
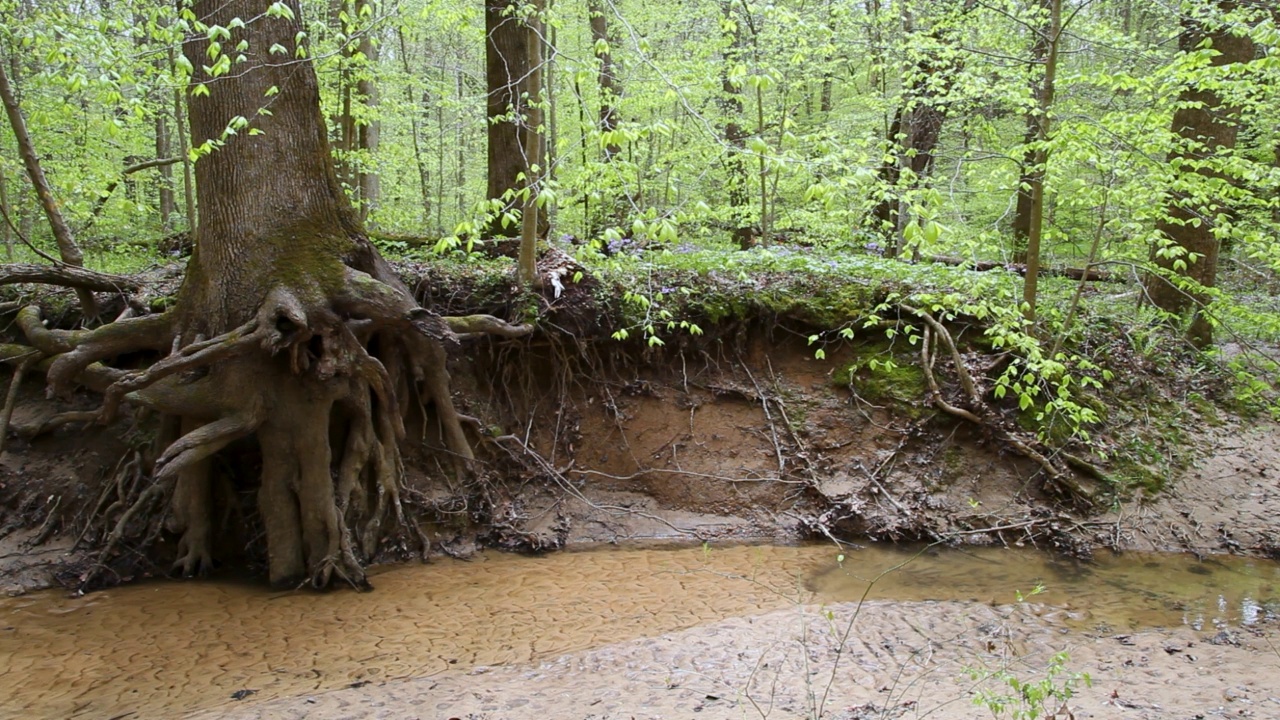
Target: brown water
160	649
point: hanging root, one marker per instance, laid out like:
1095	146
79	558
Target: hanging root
1062	481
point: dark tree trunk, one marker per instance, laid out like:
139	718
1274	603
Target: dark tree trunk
1205	126
731	107
1030	169
915	132
508	69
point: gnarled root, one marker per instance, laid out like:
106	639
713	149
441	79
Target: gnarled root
1061	480
322	382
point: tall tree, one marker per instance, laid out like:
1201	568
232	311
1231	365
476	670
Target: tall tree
1206	127
511	31
68	249
917	123
291	328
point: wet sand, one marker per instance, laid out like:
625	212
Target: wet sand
652	632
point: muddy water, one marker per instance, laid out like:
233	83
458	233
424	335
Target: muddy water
159	650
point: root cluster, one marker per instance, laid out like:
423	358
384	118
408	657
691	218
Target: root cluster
323	382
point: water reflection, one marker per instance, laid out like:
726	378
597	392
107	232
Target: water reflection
1124	591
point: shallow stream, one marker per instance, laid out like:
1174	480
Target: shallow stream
160	649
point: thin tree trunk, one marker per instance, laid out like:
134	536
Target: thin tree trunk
188	171
168	202
5	231
1035	229
527	266
460	145
68	250
424	172
1022	210
369	132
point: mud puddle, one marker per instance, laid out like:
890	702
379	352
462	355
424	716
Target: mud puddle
170	648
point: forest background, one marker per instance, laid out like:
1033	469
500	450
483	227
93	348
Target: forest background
1135	143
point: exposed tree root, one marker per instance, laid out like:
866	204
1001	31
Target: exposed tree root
1060	480
323	382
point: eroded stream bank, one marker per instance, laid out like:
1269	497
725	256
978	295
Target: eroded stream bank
167	649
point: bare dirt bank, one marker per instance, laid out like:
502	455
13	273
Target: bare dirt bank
766	443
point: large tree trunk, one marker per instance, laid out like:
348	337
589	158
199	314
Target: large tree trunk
1206	127
289	327
915	131
509	53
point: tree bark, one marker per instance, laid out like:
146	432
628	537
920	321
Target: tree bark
1206	127
508	68
289	328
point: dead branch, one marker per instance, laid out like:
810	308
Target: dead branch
1088	273
983	417
66	276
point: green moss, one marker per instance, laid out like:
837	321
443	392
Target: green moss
878	374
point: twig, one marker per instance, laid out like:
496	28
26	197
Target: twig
773	430
11	398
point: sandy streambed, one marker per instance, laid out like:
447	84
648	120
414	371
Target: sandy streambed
661	633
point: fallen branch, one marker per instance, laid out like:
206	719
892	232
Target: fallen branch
981	415
1088	273
66	276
